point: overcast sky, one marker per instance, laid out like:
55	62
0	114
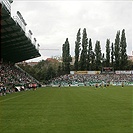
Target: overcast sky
53	21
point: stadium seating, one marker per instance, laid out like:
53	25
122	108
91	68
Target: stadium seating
87	79
16	46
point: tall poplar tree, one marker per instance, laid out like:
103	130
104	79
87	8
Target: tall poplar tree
66	58
123	46
77	50
93	60
83	58
103	60
89	56
117	51
108	53
98	55
112	55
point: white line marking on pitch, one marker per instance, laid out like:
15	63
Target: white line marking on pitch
11	98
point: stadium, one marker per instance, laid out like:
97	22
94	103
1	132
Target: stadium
79	102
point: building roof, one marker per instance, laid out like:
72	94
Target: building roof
130	58
52	60
16	45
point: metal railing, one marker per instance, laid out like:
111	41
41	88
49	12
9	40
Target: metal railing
21	24
7	4
29	36
33	40
19	20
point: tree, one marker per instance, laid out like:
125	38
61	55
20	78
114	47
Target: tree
123	53
77	51
98	55
93	64
59	71
107	52
103	60
112	55
117	50
66	57
50	73
83	58
89	56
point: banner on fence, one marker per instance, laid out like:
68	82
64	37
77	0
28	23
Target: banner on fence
124	72
85	72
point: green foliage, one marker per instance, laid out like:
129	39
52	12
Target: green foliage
50	73
90	59
83	58
77	51
117	51
103	60
120	52
43	71
98	55
123	52
59	71
129	65
93	66
112	55
108	53
89	55
66	58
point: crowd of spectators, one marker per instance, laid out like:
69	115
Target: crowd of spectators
88	79
12	79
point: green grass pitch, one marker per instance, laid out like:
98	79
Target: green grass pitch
68	110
